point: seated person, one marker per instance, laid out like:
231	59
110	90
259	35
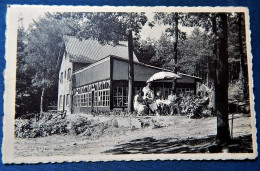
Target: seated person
138	103
158	97
159	102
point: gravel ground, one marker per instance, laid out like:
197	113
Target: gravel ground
170	130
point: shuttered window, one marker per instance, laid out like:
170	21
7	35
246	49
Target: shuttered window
69	74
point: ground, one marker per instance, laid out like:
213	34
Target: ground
169	134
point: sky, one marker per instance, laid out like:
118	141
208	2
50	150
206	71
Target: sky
146	32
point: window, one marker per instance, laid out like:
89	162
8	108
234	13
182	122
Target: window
90	99
69	74
61	77
104	97
97	94
104	93
82	100
60	101
185	90
120	96
65	75
75	100
95	98
68	100
79	101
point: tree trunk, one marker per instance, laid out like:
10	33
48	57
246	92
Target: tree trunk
130	73
221	83
208	71
42	97
215	50
242	56
175	51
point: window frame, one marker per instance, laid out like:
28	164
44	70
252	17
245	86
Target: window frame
117	96
69	74
68	100
61	77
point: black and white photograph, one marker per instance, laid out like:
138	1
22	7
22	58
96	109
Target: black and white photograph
128	83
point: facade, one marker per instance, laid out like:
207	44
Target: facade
86	86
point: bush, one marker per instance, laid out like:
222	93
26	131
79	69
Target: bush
72	124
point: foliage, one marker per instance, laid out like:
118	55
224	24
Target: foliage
39	53
163	52
144	49
196	57
25	96
50	124
111	27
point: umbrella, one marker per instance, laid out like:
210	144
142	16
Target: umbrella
204	88
162	76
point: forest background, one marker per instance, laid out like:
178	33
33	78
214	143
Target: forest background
191	50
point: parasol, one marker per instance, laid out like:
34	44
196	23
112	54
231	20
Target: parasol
163	75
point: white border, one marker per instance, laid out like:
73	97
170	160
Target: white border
10	76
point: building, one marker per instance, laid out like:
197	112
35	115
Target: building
95	77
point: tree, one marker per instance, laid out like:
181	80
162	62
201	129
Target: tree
221	82
172	20
163	52
112	27
216	25
144	49
237	51
24	94
242	49
44	50
196	56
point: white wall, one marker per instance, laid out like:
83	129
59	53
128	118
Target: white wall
141	73
66	86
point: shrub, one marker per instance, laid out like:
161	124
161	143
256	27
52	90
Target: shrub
72	124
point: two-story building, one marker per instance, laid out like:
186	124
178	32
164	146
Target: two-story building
95	77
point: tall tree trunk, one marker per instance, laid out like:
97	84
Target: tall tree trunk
242	56
175	51
42	97
221	83
215	50
207	75
130	73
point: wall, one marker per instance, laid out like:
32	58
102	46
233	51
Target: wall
186	79
65	87
141	73
93	73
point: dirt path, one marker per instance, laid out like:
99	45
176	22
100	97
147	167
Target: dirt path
175	129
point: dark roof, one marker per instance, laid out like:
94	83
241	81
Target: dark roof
89	51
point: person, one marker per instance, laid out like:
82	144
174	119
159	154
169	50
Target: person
172	98
148	93
149	97
159	102
138	103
